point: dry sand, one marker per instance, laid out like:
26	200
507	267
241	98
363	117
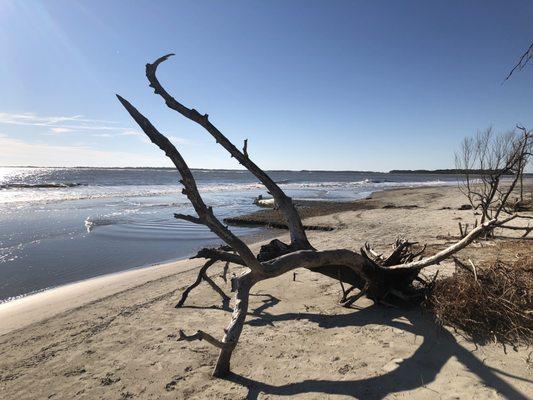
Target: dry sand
114	337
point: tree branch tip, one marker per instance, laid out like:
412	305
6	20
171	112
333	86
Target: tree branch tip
182	335
160	60
123	101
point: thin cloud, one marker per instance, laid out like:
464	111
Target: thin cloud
61	130
77	124
19	152
178	140
60	124
54	121
131	132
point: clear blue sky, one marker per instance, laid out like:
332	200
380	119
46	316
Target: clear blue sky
349	85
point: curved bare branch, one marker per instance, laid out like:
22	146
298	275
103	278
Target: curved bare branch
522	62
447	252
284	202
201	335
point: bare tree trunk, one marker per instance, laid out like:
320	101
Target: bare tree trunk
234	328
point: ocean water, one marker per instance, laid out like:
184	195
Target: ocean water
61	225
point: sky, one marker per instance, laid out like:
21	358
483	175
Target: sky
329	85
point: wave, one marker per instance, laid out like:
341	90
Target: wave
20	296
36	195
125	215
32	194
114	218
41	185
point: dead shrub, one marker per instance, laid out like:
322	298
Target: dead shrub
497	306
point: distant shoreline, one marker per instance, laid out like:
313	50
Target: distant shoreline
450	171
445	172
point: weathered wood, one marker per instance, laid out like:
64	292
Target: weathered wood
449	251
234	328
284	202
201	335
379	278
205	214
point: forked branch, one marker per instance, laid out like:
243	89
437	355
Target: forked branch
284	202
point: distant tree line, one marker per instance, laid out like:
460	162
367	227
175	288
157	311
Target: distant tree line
450	171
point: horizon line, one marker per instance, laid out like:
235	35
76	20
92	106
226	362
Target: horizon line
452	171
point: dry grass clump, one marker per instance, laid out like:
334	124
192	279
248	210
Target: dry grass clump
497	306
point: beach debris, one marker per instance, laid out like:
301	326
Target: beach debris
246	221
389	280
75	371
344	369
490	302
407	206
266	203
169	387
463	229
109	379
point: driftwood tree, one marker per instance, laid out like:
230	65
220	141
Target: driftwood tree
382	279
493	168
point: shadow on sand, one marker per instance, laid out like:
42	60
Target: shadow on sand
417	371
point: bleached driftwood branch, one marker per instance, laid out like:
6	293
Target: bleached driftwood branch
379	278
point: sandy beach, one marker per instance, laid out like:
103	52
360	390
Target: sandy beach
114	337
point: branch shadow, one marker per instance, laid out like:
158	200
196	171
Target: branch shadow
225	307
420	369
270	301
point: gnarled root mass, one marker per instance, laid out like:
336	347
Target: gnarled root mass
382	279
